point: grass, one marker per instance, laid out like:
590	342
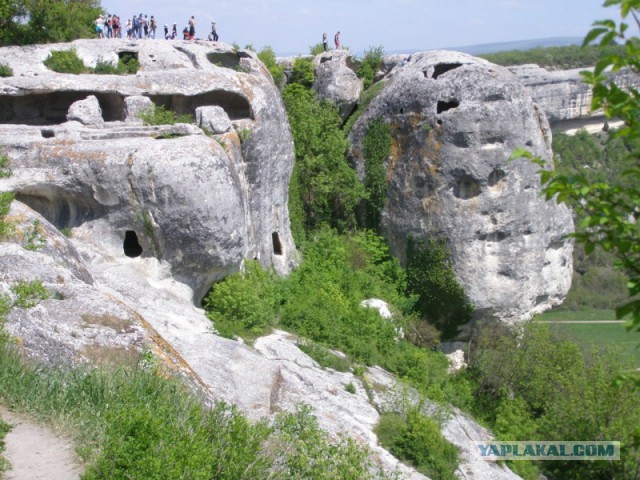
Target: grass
571	316
4	429
600	335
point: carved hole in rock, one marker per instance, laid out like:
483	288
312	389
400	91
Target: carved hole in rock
236	106
277	246
541	299
59	209
495	177
466	188
443	68
529	143
402	110
461	140
496	97
224	59
46	133
493	237
494	140
127	56
446	106
52	108
132	248
439	122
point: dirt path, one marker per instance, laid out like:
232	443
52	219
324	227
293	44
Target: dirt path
35	452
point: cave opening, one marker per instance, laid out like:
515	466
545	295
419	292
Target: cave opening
236	106
277	245
442	68
131	246
445	106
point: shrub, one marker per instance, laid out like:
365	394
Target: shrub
377	147
324	357
127	65
302	72
441	299
416	439
244	303
5	70
5	169
159	115
6	228
366	97
65	61
268	57
28	294
370	64
316	49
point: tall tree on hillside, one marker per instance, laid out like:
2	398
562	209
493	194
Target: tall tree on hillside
25	22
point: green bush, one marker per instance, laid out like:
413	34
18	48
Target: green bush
29	294
324	357
65	61
127	65
5	70
5	169
302	72
430	276
416	439
159	115
268	57
244	303
6	228
316	49
377	147
370	64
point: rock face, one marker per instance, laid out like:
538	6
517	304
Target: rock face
336	81
200	204
455	121
562	95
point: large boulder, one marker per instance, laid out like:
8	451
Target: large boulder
455	121
199	203
336	81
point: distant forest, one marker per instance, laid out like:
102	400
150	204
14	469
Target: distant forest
554	58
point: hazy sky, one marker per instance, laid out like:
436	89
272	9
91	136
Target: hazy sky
291	26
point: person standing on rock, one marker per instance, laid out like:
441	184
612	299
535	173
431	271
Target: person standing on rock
325	42
336	40
100	26
214	33
192	27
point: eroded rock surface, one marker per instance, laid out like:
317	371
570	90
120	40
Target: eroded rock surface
336	81
455	122
199	203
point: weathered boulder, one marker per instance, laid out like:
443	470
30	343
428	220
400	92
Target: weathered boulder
134	106
200	204
87	112
336	81
213	119
455	121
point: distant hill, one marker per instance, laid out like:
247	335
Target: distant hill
503	46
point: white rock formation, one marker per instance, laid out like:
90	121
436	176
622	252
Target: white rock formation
455	121
336	81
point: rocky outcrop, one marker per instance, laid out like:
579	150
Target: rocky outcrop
563	96
455	122
201	204
109	310
336	81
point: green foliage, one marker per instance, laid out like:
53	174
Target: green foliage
316	49
5	70
350	388
416	439
430	275
33	236
6	228
324	357
529	384
377	147
127	65
244	135
159	115
366	97
5	169
29	294
326	186
302	72
24	22
555	58
4	429
370	64
268	57
65	61
244	303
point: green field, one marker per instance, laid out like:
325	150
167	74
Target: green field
595	334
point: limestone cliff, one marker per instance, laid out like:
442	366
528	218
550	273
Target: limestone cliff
200	203
455	122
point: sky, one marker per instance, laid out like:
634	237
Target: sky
291	26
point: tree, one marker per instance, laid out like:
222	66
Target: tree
25	22
610	210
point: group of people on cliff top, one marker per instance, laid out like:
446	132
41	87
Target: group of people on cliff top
141	26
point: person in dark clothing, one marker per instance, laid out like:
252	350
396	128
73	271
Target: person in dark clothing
192	26
325	42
